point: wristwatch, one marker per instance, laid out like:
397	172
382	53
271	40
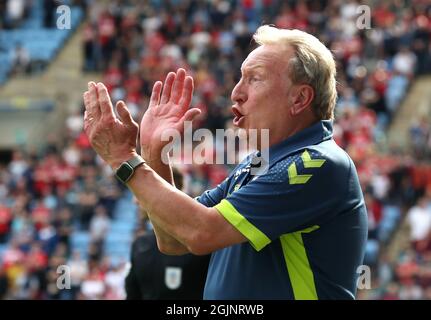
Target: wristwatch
126	170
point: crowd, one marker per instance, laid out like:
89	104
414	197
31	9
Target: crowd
47	195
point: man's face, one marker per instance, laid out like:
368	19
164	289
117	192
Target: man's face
261	97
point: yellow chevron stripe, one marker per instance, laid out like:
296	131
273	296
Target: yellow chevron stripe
294	177
311	163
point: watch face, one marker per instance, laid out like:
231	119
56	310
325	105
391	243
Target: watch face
124	172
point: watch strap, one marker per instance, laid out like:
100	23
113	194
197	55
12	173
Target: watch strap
135	161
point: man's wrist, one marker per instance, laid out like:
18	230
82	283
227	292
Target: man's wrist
116	163
151	154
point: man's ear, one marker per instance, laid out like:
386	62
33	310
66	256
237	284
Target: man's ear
302	97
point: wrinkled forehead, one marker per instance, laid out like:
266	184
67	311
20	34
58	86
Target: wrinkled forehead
268	57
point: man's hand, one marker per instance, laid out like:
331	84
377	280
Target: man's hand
112	138
166	112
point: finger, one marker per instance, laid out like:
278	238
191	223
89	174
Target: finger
190	115
86	121
187	94
94	107
178	86
155	94
166	94
86	98
88	117
105	101
124	113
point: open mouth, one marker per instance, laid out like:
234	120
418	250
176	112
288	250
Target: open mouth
237	116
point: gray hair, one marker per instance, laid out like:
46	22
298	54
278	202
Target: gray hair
313	64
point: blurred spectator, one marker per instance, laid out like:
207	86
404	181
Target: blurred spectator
87	201
64	227
115	282
4	284
15	12
78	272
75	123
411	292
99	224
420	137
49	7
419	220
405	62
20	60
93	286
5	220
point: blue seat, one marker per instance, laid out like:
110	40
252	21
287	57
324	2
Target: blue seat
43	44
80	238
114	237
122	227
371	252
3	248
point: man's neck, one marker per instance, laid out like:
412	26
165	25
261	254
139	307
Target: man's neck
290	130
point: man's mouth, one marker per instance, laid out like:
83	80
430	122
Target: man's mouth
237	116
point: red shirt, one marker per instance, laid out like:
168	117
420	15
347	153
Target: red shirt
82	141
63	175
106	28
40	216
5	217
112	78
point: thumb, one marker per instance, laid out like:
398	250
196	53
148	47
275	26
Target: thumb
124	113
191	114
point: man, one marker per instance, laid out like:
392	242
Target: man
155	276
295	232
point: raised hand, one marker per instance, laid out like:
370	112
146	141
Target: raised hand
168	110
114	139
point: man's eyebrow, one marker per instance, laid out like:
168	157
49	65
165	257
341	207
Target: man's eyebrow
257	66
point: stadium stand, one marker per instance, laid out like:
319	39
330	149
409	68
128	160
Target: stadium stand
39	42
48	198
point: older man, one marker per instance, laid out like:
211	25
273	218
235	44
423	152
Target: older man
296	232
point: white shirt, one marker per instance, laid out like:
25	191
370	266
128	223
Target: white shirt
93	289
419	220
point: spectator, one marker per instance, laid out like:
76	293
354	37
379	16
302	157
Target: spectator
99	225
15	12
64	226
405	62
391	292
115	282
4	284
20	60
5	220
93	287
78	272
419	220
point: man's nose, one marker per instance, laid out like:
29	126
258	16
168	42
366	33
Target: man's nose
238	95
